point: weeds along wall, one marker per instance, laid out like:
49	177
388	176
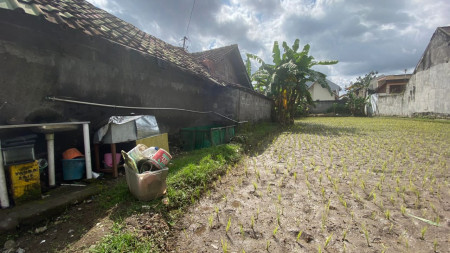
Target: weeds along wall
427	93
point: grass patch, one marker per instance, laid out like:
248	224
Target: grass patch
124	241
190	176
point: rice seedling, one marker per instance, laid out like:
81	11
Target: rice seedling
228	226
278	218
255	186
435	244
210	220
392	200
343	202
216	210
366	233
327	241
387	214
422	232
185	233
224	245
299	235
267	245
391	227
269	189
252	223
384	248
241	230
274	232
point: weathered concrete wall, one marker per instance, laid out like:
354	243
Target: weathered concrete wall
242	105
427	92
40	59
253	107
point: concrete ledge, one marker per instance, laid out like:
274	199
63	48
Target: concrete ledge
38	210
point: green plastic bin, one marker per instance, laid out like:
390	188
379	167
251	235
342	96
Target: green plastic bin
205	136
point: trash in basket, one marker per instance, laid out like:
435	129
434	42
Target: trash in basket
148	185
146	176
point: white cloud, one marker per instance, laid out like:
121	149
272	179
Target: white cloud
384	35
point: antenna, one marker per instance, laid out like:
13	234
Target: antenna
187	28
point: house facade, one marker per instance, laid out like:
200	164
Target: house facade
319	93
391	84
322	97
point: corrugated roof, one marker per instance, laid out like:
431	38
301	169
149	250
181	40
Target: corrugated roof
81	15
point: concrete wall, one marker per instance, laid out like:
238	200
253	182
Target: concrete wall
323	106
42	59
320	93
254	107
427	92
242	104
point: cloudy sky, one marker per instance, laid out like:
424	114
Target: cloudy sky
387	36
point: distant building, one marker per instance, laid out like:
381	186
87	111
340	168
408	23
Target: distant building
391	84
319	93
323	98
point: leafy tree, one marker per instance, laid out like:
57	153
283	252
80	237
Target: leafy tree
358	93
285	80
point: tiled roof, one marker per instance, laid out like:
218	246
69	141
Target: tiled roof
218	54
214	54
81	15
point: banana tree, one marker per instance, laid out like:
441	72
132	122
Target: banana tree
285	80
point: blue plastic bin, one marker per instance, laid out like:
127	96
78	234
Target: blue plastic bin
73	169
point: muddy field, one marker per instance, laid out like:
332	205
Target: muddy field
332	185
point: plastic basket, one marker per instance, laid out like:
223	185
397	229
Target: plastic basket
73	169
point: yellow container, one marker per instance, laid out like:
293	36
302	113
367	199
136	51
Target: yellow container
25	181
161	141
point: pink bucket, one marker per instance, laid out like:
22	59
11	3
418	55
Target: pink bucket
108	159
162	158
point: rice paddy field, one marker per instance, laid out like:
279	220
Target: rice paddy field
331	185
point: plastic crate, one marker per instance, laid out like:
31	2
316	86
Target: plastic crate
205	136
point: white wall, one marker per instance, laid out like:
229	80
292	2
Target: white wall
320	93
427	92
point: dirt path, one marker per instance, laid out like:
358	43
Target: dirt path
331	185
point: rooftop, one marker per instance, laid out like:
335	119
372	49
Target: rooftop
83	16
332	85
